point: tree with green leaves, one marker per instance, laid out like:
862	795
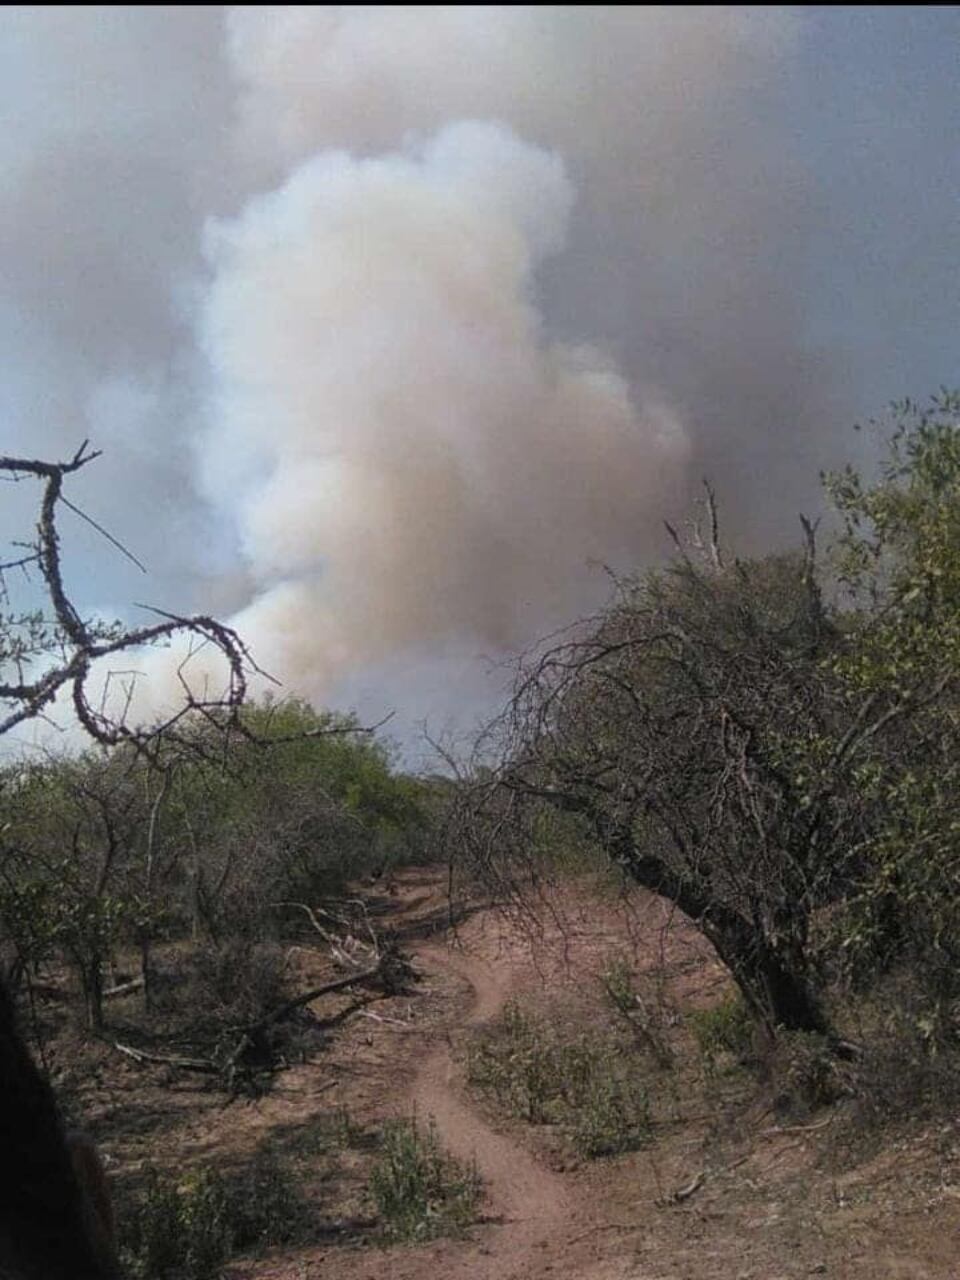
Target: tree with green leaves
47	1227
70	829
898	559
760	757
681	729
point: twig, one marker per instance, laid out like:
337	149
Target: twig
735	1164
795	1128
101	530
123	989
603	1226
393	1022
684	1193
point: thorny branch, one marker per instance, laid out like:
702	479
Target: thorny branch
78	643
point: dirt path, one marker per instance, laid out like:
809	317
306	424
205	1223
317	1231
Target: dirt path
529	1203
765	1209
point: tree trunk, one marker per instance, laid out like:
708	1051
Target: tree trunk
146	972
774	986
91	975
773	980
196	901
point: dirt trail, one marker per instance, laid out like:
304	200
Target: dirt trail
529	1203
767	1208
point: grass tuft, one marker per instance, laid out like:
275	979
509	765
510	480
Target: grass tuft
420	1191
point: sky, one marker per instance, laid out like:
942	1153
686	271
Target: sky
396	324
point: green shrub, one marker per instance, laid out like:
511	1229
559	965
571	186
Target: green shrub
517	1061
613	1115
189	1227
180	1228
420	1191
726	1030
266	1206
585	1083
907	1068
646	1020
150	1241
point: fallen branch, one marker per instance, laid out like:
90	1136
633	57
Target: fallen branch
392	1022
338	984
341	1225
302	906
141	1057
248	1038
389	966
347	951
795	1128
124	989
252	1050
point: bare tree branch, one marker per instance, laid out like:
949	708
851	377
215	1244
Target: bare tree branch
66	649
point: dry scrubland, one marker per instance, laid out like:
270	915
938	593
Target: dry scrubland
661	982
597	1105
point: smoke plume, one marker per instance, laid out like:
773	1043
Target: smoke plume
409	456
400	320
418	446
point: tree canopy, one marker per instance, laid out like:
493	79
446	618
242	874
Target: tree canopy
769	743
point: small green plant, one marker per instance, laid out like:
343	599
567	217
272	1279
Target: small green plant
205	1221
180	1228
420	1191
613	1116
343	1129
150	1241
265	1206
645	1020
517	1061
910	1063
617	983
585	1083
189	1227
725	1031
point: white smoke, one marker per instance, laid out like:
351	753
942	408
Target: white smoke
413	458
408	455
602	82
394	318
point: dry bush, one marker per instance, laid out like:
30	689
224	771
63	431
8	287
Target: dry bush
587	1083
237	982
910	1064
